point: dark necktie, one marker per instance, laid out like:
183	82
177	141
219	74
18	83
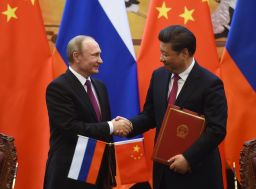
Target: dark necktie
93	99
173	93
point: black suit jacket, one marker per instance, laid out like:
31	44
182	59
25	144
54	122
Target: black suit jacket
71	113
203	93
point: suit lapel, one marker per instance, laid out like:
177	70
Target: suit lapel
80	91
189	86
163	85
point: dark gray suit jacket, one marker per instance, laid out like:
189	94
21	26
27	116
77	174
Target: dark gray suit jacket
203	93
71	113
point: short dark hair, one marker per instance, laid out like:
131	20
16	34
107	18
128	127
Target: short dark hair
179	37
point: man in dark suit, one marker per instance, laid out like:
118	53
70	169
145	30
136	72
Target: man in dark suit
183	82
78	105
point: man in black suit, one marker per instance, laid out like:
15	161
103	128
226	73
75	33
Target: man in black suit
78	105
195	89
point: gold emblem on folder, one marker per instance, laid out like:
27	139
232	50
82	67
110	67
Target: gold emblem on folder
182	131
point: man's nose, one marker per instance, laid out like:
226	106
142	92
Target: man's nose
100	61
162	59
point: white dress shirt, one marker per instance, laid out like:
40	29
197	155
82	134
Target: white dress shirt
181	81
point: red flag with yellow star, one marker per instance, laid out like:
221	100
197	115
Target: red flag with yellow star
25	72
131	165
192	14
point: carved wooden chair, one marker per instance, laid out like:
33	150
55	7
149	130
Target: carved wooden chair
248	165
8	161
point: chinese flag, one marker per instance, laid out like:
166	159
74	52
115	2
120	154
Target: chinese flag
131	162
192	14
25	72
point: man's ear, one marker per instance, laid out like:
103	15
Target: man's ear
75	56
185	53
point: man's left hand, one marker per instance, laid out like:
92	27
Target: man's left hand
179	164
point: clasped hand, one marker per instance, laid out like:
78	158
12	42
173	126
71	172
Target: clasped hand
122	126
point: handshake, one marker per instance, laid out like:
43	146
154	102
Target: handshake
121	126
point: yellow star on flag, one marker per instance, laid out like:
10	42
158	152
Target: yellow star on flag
136	148
163	11
33	2
187	15
10	12
206	1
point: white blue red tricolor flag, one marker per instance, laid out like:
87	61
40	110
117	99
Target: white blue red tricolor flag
87	159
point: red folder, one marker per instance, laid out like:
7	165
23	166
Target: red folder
179	130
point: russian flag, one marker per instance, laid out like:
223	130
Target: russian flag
238	72
106	21
87	159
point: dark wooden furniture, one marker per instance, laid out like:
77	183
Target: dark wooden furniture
8	160
248	165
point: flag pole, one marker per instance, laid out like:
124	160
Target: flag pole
235	178
14	178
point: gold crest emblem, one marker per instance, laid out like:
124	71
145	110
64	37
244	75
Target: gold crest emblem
182	131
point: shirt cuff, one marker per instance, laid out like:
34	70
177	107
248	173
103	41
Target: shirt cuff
111	127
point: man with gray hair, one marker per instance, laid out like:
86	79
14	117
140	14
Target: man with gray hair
78	105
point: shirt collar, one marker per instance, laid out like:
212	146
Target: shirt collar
184	75
81	78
